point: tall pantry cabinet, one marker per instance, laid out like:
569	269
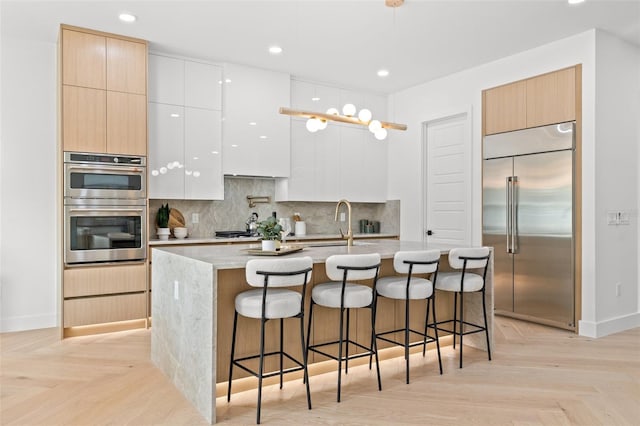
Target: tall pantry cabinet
102	109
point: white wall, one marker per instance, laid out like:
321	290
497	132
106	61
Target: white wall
28	213
616	149
460	91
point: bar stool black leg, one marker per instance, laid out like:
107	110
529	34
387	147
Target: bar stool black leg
486	328
373	335
281	349
340	352
435	329
426	326
306	351
406	337
233	350
461	324
455	317
374	347
262	324
346	345
304	361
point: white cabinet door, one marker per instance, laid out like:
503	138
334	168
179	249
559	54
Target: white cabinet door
363	169
202	85
313	97
256	137
166	148
302	178
202	155
327	165
166	80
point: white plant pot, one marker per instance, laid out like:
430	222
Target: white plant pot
269	245
163	233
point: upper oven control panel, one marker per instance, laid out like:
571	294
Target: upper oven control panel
91	158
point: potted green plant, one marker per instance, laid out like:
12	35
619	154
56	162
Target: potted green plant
162	220
269	231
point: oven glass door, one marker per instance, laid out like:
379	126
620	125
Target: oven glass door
89	181
104	234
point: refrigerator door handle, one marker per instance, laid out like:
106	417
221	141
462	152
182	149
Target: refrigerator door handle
509	212
514	214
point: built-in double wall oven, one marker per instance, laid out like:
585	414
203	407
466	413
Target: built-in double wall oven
105	213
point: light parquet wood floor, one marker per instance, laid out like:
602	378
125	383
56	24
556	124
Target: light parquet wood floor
539	376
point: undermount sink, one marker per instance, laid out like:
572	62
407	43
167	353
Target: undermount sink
335	243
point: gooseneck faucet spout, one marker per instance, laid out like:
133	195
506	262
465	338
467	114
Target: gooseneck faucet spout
349	236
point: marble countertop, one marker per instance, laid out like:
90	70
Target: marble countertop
236	256
215	240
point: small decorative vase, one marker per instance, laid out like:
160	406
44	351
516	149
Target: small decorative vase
269	245
163	233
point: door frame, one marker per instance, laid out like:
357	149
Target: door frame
446	115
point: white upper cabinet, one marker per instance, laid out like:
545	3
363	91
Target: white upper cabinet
166	80
256	137
341	161
185	131
202	85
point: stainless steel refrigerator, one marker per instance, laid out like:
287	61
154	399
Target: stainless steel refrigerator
528	217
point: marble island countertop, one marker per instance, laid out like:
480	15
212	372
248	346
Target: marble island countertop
217	240
234	256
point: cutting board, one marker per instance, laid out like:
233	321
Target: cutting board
176	219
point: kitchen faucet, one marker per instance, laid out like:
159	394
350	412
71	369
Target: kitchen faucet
349	235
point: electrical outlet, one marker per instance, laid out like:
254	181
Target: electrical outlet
195	218
176	290
343	217
618	289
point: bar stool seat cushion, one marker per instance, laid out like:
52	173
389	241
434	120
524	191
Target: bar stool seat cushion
450	281
280	303
396	288
355	295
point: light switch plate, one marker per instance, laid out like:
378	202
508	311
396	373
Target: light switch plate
195	218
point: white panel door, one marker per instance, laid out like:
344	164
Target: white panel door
202	85
448	181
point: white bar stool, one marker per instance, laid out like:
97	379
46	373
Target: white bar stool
272	302
342	294
465	282
412	288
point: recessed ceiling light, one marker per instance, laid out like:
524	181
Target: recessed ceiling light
275	50
575	1
253	123
383	73
127	17
263	137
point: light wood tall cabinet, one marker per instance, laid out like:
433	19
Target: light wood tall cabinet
537	101
104	89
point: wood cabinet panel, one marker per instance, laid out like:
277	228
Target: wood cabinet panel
83	59
98	310
126	123
104	280
551	98
126	66
505	108
84	119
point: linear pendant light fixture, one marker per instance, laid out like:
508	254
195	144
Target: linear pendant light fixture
318	120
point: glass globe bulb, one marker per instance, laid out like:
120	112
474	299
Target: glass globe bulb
364	115
313	125
381	134
374	126
333	111
349	110
322	124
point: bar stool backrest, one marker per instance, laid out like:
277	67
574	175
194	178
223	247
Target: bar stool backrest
456	262
282	272
352	260
402	257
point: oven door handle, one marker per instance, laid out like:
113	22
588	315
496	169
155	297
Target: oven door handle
105	168
101	209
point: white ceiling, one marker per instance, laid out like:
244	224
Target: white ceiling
336	41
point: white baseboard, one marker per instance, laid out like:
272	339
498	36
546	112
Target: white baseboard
610	326
30	322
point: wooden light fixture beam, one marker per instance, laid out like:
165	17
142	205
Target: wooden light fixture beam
338	118
394	3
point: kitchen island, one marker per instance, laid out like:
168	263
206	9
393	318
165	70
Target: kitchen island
193	289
